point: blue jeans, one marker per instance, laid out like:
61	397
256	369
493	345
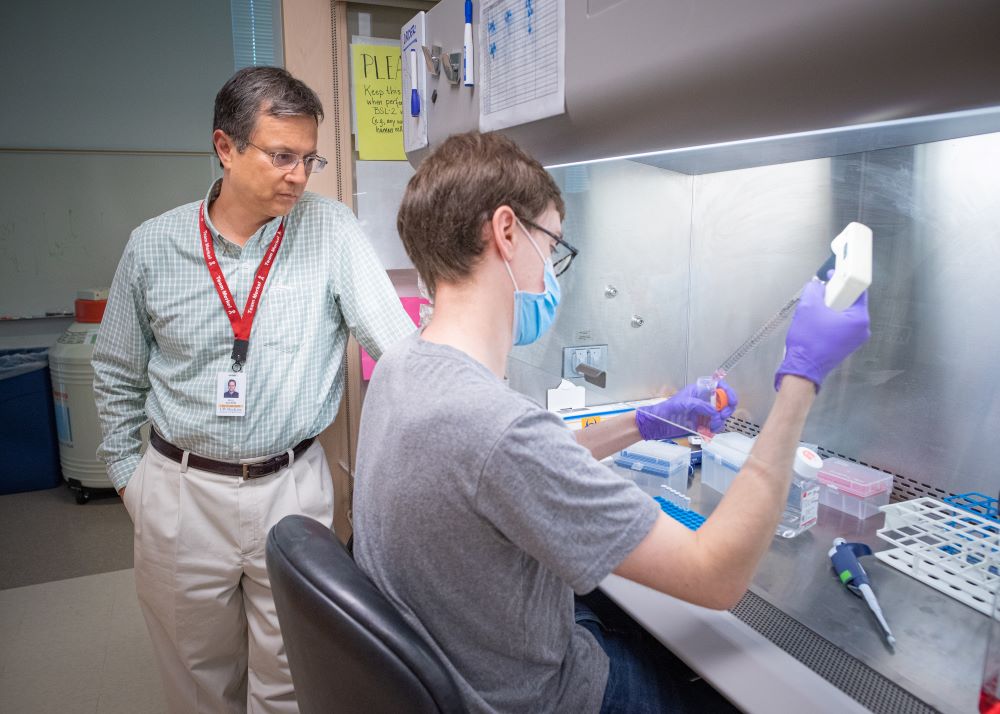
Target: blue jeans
644	676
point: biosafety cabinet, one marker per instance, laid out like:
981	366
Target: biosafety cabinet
708	152
580	80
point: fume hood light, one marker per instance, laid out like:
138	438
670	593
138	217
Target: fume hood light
577	179
835	141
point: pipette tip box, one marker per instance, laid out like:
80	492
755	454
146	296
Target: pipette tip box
722	458
852	488
654	464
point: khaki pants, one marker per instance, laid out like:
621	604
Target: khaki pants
202	582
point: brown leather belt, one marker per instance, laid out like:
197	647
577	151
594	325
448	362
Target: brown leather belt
227	468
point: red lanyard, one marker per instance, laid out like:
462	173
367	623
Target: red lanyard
241	325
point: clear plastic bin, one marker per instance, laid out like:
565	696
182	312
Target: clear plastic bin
722	458
654	464
856	490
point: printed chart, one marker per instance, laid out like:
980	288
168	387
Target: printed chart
522	61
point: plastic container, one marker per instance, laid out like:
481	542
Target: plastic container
722	458
989	693
654	464
28	434
77	423
854	489
802	507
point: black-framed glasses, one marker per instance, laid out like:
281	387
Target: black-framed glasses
287	161
562	256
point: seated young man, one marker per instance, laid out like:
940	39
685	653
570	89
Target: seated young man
480	515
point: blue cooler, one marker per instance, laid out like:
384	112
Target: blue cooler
27	422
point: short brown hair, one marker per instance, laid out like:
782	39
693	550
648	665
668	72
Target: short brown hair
456	190
255	90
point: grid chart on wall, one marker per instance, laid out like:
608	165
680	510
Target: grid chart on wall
520	52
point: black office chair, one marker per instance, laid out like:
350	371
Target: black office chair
348	647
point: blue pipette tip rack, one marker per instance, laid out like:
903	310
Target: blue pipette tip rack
977	503
689	519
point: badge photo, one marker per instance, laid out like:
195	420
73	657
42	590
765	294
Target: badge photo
230	394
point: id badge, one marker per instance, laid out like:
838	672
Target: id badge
230	394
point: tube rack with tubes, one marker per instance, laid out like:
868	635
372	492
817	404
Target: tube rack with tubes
691	520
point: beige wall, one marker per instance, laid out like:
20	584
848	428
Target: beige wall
316	51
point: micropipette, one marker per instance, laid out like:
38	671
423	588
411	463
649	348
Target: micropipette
846	565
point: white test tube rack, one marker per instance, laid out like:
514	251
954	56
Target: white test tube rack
953	550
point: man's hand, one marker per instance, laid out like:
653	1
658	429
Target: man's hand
820	338
684	408
121	492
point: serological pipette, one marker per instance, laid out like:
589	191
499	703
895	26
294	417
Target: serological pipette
667	421
762	333
851	263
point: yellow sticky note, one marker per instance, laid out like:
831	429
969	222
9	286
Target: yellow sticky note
378	101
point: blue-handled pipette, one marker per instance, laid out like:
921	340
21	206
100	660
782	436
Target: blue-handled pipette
848	568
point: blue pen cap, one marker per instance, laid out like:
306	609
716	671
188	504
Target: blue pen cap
468	11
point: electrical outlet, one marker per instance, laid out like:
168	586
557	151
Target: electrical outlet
594	355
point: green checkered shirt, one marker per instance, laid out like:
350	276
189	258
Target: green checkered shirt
165	336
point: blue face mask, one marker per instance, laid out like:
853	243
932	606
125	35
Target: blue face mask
534	313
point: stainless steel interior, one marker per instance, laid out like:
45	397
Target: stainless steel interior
702	260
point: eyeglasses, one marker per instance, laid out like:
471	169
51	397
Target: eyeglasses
562	256
287	161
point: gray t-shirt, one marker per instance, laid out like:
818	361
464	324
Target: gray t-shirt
478	515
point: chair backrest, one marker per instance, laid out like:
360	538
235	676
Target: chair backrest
349	649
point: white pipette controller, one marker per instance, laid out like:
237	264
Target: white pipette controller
852	251
851	263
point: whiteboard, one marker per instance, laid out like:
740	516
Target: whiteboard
65	217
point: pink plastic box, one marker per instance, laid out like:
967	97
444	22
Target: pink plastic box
856	490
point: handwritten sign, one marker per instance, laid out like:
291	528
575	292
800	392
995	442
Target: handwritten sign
378	100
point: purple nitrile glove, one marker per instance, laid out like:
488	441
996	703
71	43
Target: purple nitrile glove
684	408
820	338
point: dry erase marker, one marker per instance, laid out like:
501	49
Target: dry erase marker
467	61
414	96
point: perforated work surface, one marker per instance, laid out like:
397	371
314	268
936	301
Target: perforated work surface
847	673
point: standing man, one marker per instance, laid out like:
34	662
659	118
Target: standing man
260	280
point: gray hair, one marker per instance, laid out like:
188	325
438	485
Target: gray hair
254	89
